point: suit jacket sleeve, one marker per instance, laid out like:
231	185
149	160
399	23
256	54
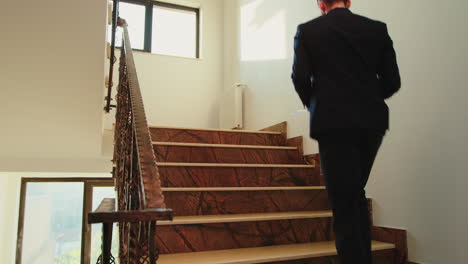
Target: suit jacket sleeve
388	71
302	70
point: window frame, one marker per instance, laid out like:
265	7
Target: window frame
148	36
89	184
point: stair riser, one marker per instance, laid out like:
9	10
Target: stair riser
215	137
191	238
226	155
238	177
379	257
393	236
244	202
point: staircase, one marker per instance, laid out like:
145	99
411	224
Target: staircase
245	197
239	196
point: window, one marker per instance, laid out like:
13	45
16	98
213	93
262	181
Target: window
135	14
161	28
53	220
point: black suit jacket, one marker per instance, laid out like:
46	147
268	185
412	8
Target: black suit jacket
344	68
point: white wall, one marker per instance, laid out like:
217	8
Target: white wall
423	156
52	80
52	75
418	176
231	46
260	55
9	203
4	208
184	92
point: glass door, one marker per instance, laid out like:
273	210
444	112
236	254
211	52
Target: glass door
52	223
99	193
95	193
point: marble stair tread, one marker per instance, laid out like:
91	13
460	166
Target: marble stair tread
234	165
236	218
179	144
218	130
262	254
242	189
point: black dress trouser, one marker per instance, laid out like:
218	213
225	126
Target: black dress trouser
347	157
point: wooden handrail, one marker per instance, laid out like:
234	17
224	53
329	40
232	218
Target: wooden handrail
106	213
140	198
115	15
151	183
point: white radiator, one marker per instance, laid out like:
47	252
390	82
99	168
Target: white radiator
231	109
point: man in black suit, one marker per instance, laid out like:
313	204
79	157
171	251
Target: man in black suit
344	68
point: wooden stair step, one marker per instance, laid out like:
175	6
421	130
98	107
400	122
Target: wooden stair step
262	254
218	130
243	189
217	136
237	218
202	145
233	165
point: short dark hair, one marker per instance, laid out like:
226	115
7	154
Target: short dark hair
329	2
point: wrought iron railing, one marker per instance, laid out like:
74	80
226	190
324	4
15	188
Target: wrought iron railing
140	199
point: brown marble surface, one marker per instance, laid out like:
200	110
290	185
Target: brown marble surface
297	142
379	257
243	202
227	155
191	238
238	177
215	137
371	211
394	236
202	237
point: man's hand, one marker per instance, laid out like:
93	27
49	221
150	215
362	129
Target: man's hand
302	70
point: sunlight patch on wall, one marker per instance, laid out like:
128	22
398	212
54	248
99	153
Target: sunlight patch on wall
263	35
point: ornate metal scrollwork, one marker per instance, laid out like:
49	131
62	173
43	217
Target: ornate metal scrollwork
112	260
135	171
